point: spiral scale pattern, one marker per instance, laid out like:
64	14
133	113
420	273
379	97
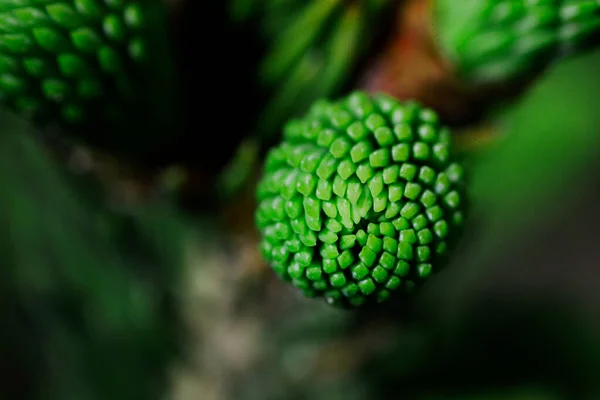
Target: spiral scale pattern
360	200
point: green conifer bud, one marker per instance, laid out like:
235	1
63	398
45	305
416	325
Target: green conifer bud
495	41
360	200
95	68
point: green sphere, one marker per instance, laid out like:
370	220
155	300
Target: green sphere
494	41
97	69
360	200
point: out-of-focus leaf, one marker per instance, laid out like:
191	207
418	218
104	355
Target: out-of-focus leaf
89	294
553	134
519	303
314	53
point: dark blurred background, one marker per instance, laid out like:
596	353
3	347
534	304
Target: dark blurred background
123	281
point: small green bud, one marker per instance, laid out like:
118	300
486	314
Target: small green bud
379	218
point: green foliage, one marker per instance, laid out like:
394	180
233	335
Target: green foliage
274	15
309	50
497	41
97	69
313	49
90	295
360	199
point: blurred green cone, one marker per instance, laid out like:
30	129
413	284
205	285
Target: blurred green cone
99	70
500	41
